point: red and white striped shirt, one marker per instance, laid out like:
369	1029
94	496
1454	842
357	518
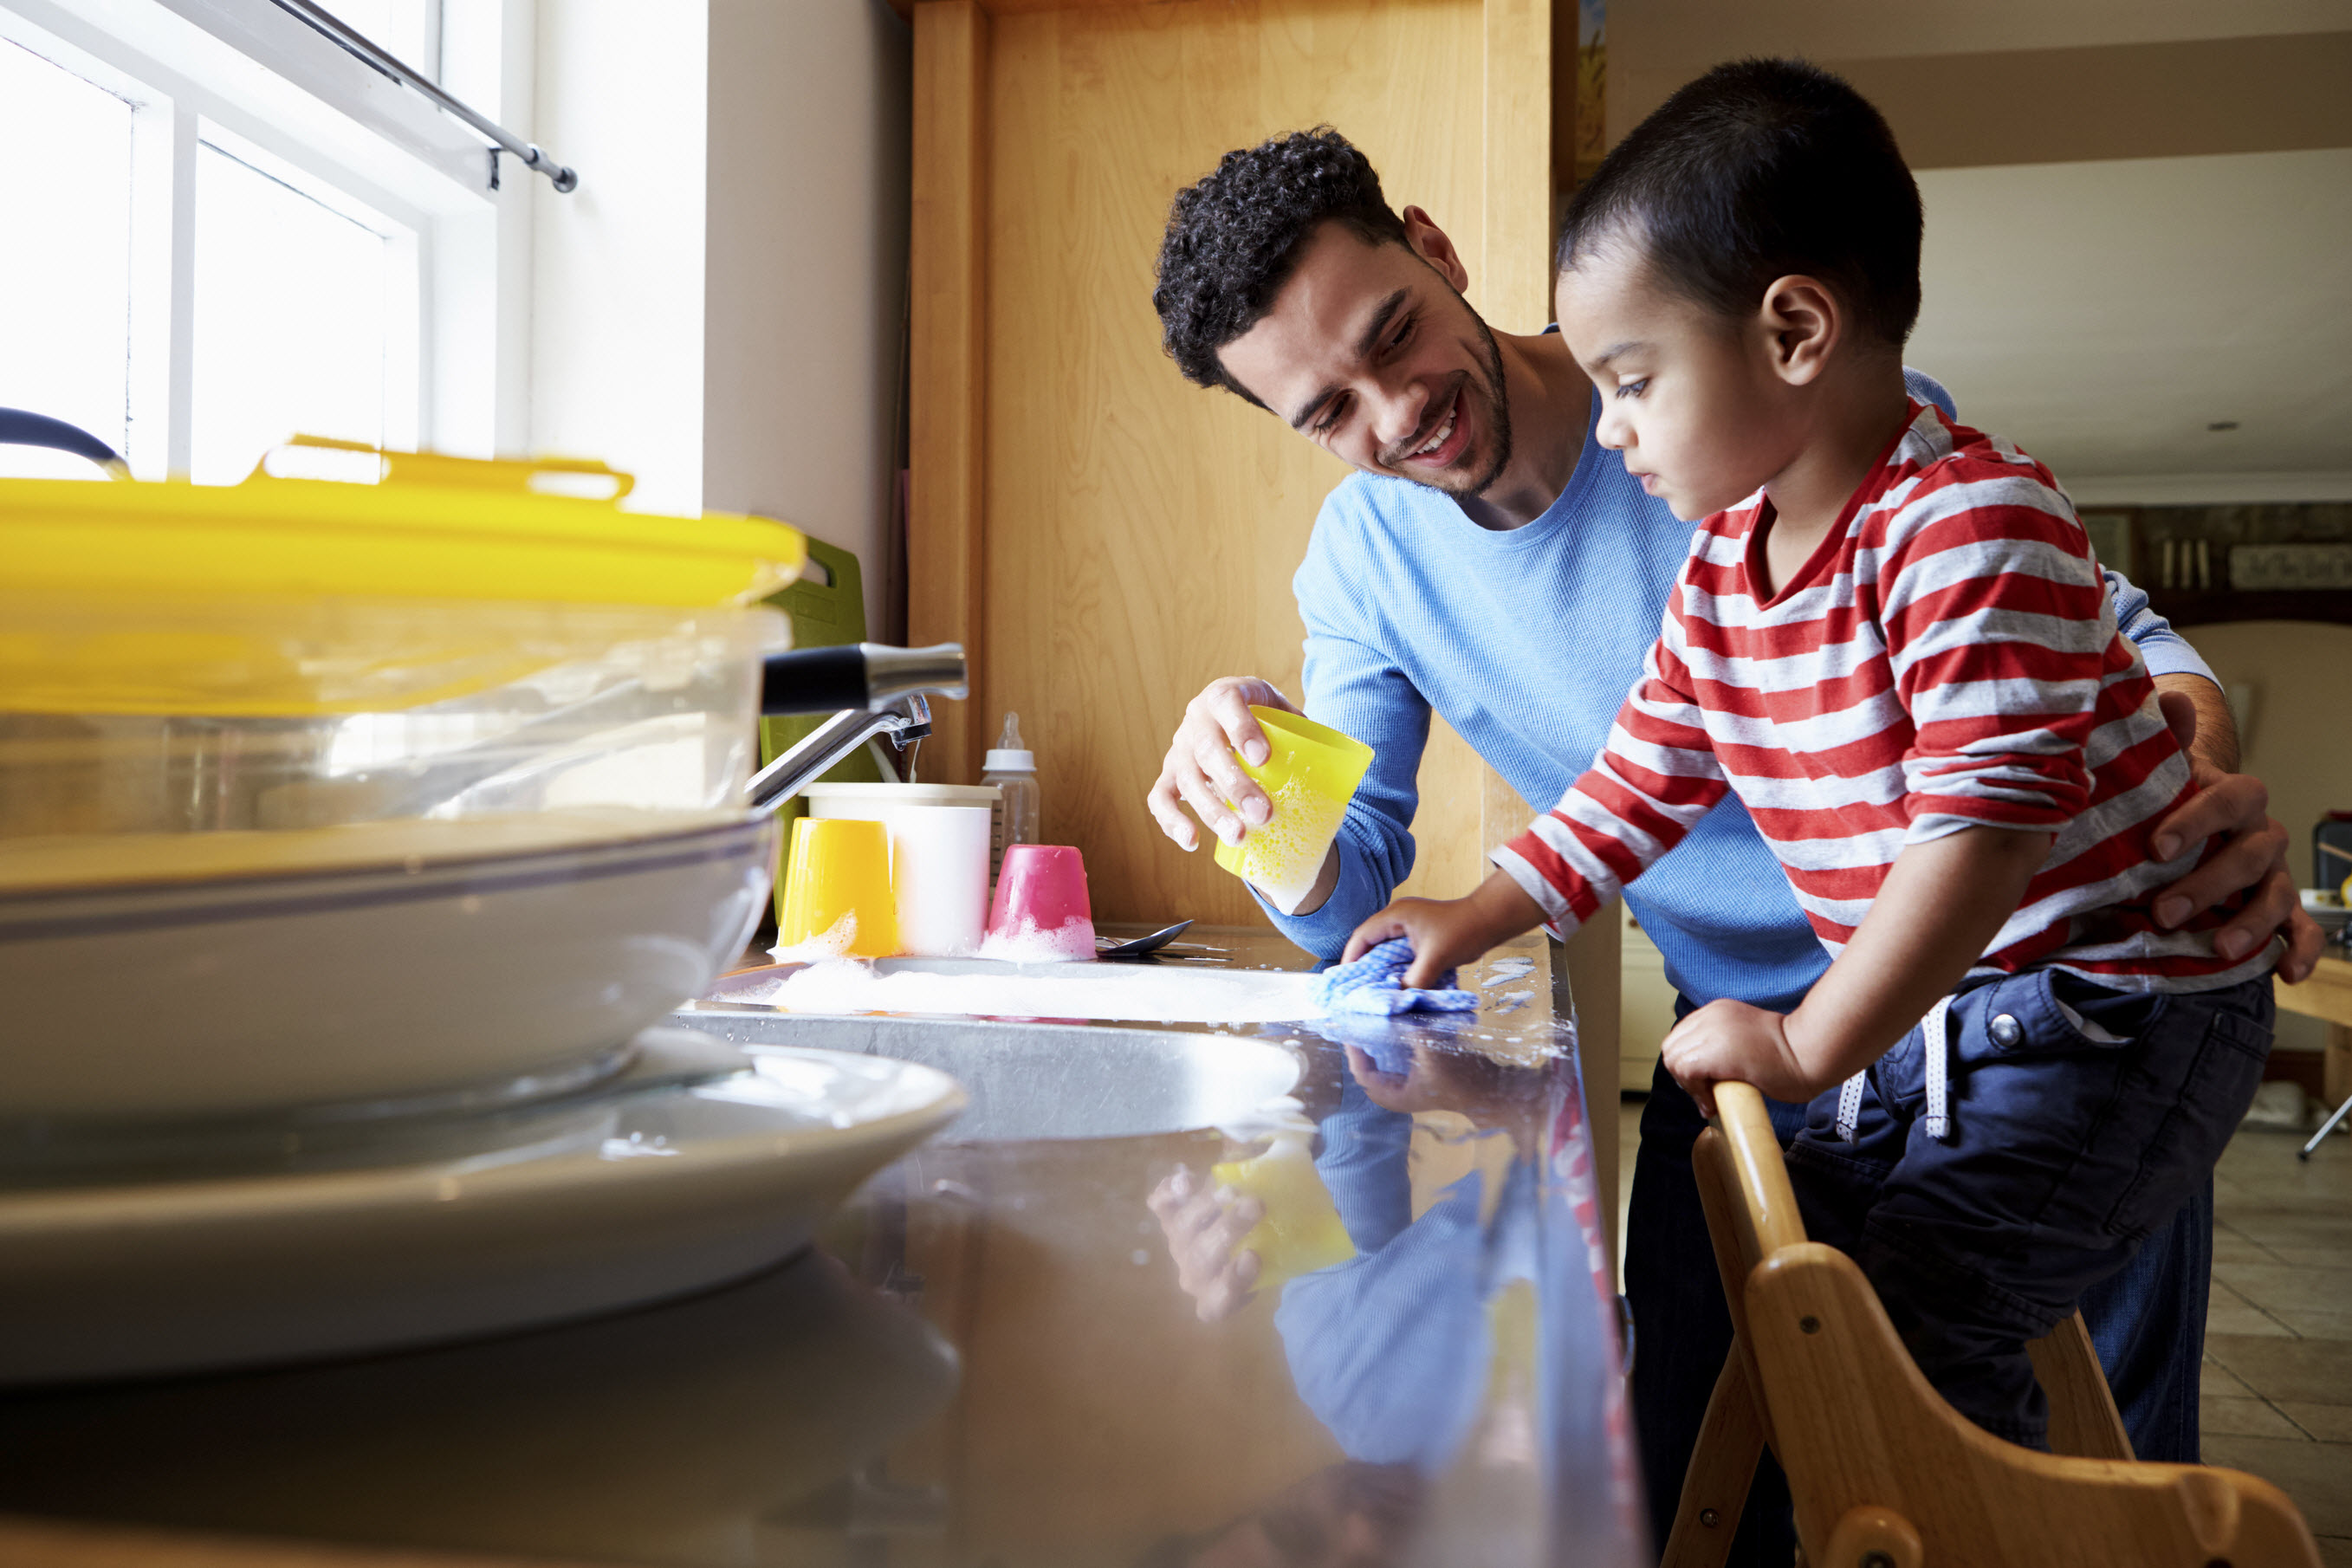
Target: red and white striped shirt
1948	658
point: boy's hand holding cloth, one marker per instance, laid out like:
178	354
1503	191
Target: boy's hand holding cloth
1374	983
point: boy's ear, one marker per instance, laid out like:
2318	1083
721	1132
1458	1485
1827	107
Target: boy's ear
1435	246
1802	324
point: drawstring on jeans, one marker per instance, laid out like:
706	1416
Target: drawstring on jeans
1850	1106
1935	1041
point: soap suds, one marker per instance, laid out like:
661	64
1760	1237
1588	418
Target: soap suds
1118	993
834	942
1283	859
1072	942
1506	969
1512	1001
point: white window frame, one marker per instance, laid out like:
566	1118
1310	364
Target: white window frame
265	88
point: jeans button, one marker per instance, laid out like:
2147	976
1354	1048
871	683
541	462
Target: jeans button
2005	1030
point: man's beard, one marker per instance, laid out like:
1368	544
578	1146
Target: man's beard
1497	416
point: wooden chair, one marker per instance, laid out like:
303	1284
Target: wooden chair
1884	1472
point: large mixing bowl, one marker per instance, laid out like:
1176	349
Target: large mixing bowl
468	974
315	792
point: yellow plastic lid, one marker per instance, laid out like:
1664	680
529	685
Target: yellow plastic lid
429	527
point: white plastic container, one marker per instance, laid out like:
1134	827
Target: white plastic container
940	836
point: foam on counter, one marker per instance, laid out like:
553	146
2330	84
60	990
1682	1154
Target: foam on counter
1119	992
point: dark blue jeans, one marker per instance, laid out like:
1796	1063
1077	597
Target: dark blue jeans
2148	1321
2082	1119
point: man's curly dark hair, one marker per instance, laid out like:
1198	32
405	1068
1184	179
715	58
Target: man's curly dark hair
1233	238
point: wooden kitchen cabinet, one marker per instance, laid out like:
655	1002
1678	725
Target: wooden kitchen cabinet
1104	537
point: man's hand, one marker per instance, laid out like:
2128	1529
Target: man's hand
1200	770
1204	1227
1447	933
2234	807
1732	1040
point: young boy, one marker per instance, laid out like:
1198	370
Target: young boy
1892	642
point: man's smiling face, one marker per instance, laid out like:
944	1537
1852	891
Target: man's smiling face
1371	351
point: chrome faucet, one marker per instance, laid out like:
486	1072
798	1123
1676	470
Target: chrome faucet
871	690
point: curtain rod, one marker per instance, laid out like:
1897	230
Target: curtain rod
340	33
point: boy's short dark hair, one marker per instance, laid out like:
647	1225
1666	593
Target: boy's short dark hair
1757	170
1233	238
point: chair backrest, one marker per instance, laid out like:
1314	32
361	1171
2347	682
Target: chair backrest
1884	1471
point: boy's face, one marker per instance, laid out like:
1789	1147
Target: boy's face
1687	396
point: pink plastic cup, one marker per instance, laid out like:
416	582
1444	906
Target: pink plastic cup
1041	910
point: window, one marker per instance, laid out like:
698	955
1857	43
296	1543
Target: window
290	320
223	230
409	28
65	338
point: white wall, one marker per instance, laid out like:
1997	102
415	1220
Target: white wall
2103	315
717	307
617	313
2295	736
806	280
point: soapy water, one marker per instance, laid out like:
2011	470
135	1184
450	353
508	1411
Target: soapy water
1512	1001
1119	993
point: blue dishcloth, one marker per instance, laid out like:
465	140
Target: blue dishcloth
1375	984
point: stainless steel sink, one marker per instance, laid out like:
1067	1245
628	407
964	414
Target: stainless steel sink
1046	1080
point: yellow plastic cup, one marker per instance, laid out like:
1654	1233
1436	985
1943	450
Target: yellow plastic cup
837	898
1310	775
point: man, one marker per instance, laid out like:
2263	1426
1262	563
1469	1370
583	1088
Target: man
1491	563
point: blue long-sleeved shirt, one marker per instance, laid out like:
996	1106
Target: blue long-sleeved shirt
1525	642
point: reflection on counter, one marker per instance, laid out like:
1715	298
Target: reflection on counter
1024	1344
665	1436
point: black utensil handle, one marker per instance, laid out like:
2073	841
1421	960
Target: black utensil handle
23	428
813	680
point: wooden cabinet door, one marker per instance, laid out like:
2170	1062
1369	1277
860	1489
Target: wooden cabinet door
1104	537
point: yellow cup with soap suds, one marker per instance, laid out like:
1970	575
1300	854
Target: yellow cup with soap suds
837	895
1310	774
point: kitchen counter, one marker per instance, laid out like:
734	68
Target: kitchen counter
991	1357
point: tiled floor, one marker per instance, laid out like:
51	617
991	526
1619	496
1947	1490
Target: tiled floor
2278	1334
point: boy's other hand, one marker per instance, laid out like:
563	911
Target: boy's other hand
1200	771
1447	933
1731	1040
2234	807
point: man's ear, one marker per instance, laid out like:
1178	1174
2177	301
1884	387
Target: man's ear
1432	245
1802	325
